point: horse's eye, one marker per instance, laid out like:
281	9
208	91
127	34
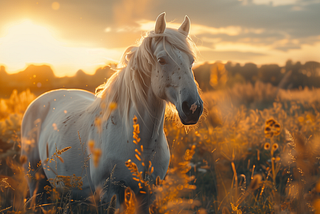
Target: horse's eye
162	61
192	61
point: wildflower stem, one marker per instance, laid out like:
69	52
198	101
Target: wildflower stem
235	179
244	196
272	163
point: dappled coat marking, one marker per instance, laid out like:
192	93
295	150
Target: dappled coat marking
98	137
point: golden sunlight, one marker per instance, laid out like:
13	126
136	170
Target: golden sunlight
27	43
55	5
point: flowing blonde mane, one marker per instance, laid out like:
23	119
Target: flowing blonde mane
129	84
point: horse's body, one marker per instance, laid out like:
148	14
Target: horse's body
71	118
61	114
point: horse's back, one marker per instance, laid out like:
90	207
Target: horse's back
46	105
46	126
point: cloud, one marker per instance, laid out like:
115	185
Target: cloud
86	21
273	2
198	29
237	56
305	53
232	21
251	29
126	10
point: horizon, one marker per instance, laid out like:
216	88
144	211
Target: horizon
73	35
196	65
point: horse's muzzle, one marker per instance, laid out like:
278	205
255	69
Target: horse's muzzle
191	112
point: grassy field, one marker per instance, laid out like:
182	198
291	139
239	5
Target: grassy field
256	150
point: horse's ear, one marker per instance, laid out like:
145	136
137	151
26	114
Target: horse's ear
185	26
160	23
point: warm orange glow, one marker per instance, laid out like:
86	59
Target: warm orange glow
26	42
55	5
29	43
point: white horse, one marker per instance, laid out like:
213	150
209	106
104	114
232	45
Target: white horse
157	71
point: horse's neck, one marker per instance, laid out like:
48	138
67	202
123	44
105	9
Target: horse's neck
151	123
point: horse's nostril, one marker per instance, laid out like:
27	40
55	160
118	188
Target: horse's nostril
186	108
199	110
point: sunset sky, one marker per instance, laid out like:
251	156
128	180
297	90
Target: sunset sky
86	34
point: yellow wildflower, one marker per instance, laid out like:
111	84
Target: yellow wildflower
275	146
272	128
267	146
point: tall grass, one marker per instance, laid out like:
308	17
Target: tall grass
256	151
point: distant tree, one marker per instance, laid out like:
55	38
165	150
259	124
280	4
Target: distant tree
311	68
218	75
289	65
250	72
40	79
231	68
105	72
3	80
294	68
270	73
298	77
202	76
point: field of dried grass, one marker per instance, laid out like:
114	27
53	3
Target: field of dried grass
256	150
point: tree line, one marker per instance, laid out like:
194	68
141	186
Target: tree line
219	75
210	76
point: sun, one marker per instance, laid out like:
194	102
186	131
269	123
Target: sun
26	42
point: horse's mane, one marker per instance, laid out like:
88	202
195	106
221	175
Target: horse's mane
128	85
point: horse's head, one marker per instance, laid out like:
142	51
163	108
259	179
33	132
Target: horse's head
172	76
